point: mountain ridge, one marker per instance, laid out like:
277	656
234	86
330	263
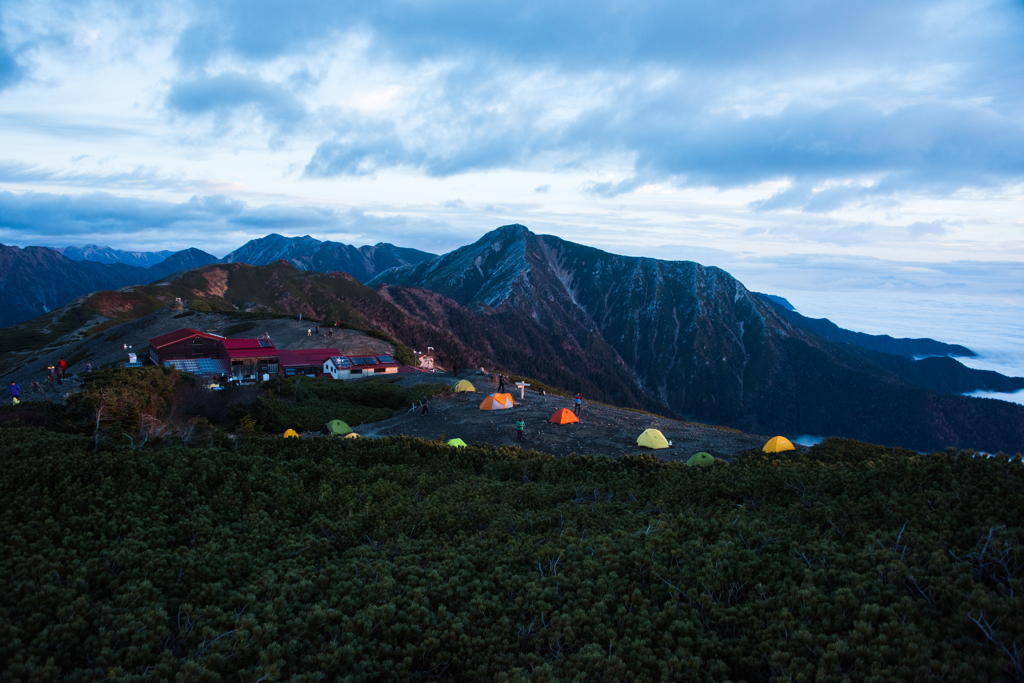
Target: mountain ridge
696	340
308	253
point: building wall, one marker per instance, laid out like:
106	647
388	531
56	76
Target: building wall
189	348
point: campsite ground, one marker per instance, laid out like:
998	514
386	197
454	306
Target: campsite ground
603	430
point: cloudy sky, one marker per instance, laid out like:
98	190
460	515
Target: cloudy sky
772	131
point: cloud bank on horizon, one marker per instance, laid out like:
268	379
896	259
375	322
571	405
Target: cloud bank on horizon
892	130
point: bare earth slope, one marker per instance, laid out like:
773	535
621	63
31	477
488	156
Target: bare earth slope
603	429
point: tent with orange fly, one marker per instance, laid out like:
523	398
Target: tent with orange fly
497	402
564	416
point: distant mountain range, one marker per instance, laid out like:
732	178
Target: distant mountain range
35	280
98	254
307	253
823	327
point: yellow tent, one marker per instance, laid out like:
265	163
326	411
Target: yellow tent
457	443
777	444
497	402
464	385
652	438
291	434
351	435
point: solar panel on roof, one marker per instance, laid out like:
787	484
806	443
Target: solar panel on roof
342	361
365	361
265	343
385	359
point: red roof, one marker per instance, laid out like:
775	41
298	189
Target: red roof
248	348
180	336
254	344
303	357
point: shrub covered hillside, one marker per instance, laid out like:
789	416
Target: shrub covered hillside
400	559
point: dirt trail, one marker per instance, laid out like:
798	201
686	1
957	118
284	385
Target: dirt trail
603	430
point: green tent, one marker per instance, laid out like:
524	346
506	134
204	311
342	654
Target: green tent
701	458
457	443
336	427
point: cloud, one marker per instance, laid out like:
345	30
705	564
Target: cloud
212	222
543	189
224	94
11	72
920	229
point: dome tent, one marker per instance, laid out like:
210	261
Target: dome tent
291	434
457	443
703	458
336	428
652	438
778	444
564	416
496	402
352	435
464	385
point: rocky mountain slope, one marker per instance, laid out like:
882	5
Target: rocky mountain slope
98	254
307	253
692	340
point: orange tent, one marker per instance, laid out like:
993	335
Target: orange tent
564	416
496	402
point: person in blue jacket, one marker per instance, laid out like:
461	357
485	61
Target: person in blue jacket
15	393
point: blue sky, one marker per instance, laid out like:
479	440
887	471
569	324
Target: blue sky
747	132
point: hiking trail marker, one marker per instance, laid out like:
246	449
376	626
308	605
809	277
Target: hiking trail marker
522	389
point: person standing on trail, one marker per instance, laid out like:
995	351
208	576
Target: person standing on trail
50	374
61	369
309	332
88	368
520	426
15	393
318	329
579	403
501	384
426	406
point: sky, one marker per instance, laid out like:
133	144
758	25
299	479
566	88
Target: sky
867	145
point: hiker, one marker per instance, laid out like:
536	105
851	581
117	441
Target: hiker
61	369
426	406
88	367
501	384
520	426
317	329
50	374
15	393
309	332
579	403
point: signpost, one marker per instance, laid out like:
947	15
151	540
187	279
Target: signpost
522	389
